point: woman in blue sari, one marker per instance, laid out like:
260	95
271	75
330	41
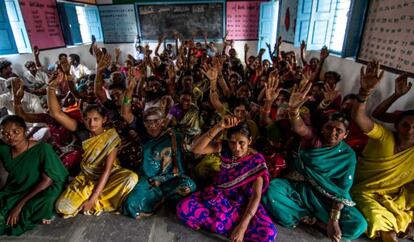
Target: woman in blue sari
162	171
318	192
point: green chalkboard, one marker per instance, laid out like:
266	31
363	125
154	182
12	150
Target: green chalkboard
186	18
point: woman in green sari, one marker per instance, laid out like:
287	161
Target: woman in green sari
324	172
36	178
162	172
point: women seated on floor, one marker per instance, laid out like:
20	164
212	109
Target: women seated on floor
36	178
102	184
318	191
231	207
162	170
384	187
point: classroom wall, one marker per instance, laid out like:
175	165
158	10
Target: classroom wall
348	68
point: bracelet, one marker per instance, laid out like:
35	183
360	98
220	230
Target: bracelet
208	134
295	116
126	100
323	104
335	214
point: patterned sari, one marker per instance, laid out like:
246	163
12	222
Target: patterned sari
219	208
120	182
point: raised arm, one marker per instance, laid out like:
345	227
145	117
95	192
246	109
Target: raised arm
297	98
103	64
54	106
369	79
36	53
329	95
324	54
271	91
18	93
205	144
302	53
402	86
212	74
160	41
246	51
126	112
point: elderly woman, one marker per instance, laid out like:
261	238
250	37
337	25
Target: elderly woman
231	207
384	189
324	169
162	170
36	178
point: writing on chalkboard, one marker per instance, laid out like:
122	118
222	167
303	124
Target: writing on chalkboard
190	20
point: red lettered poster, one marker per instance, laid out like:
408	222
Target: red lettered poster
42	23
242	20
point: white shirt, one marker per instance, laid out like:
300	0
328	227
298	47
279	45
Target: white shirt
3	88
79	71
35	82
30	103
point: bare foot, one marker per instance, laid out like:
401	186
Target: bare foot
46	221
142	215
388	236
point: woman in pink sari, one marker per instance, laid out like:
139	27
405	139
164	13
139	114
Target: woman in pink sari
231	207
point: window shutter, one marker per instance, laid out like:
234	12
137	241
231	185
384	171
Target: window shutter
321	24
7	43
69	23
17	24
94	22
303	21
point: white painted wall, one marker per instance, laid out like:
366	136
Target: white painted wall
348	68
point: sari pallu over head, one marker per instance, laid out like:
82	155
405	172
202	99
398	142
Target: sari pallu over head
235	174
96	149
330	170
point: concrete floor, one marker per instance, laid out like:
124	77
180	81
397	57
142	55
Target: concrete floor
162	227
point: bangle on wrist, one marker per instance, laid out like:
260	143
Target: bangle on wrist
294	116
335	214
127	100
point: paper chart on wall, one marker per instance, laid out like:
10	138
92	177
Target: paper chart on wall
242	20
389	34
119	23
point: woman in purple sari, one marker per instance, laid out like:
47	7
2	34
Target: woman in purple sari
232	206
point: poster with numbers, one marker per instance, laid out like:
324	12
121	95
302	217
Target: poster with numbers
119	23
389	35
242	20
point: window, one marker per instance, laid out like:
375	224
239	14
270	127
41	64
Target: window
79	23
336	24
13	34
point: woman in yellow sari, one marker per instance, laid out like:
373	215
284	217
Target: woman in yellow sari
102	184
384	187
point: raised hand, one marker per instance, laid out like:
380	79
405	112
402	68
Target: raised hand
371	76
271	87
103	63
329	93
303	45
117	52
171	72
229	122
17	89
279	41
210	72
299	95
36	50
93	38
246	48
324	53
402	86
